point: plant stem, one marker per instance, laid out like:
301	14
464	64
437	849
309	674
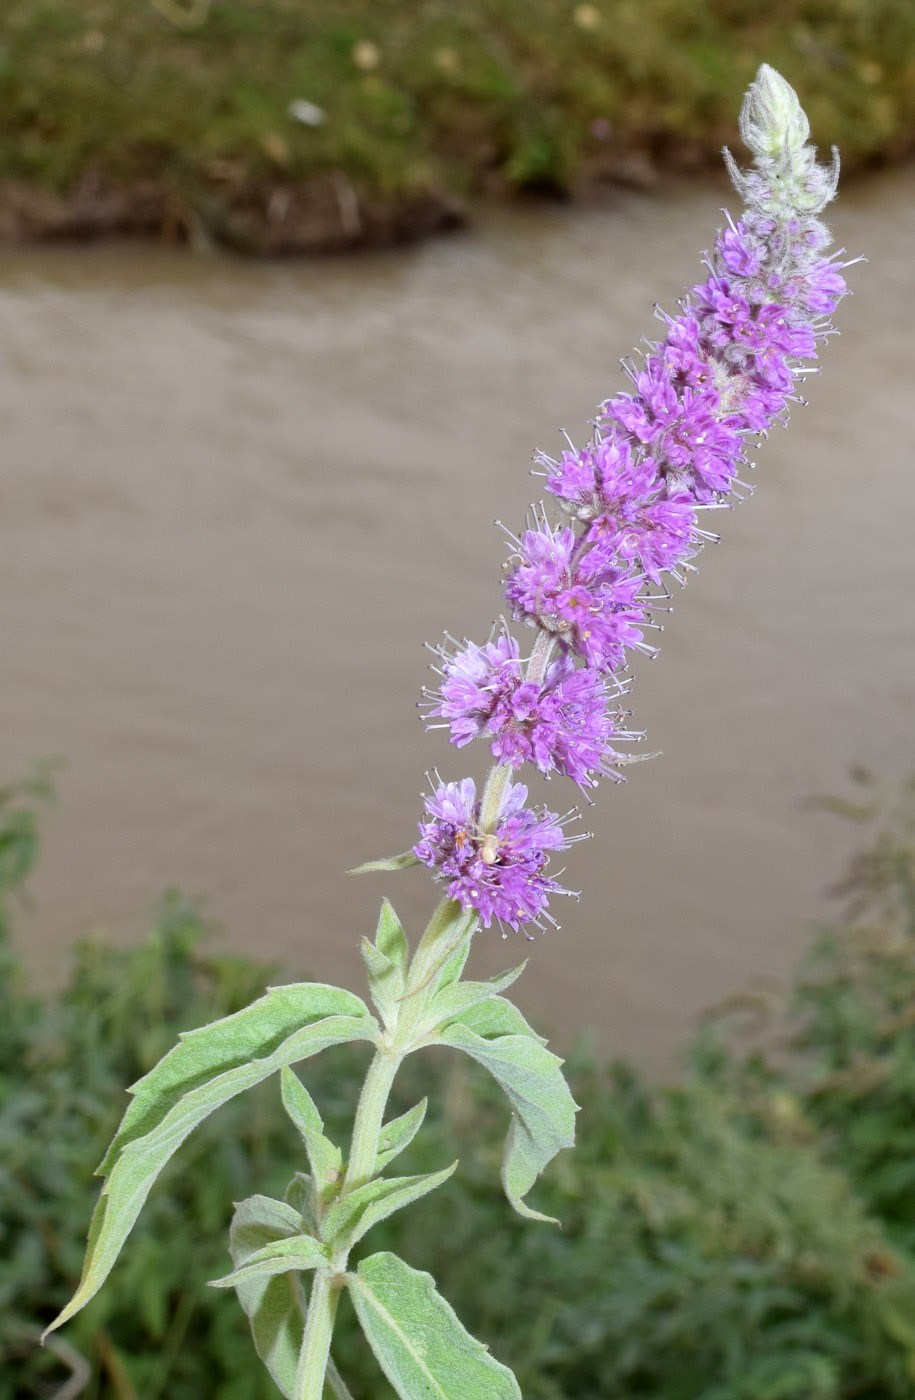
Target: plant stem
319	1325
500	773
369	1116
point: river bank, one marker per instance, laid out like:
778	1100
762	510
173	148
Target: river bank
275	128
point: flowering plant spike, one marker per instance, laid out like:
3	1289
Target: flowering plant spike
584	581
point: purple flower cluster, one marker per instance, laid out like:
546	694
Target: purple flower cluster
498	873
565	724
672	445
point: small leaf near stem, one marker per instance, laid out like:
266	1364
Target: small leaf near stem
401	862
445	933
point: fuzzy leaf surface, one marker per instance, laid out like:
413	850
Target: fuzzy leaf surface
206	1069
386	981
401	862
452	1000
234	1040
418	1340
454	965
325	1158
390	938
300	1195
274	1306
299	1252
398	1134
357	1212
543	1110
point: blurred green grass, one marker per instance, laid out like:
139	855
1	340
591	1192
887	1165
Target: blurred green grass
745	1234
429	99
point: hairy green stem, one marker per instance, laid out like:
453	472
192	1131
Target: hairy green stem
369	1117
319	1325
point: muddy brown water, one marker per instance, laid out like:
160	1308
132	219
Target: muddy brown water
236	499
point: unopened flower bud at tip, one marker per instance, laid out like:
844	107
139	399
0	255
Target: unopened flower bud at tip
772	119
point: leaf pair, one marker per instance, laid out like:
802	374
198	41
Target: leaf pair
416	1336
204	1070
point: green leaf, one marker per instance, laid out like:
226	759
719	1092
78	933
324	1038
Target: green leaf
301	1195
326	1160
454	965
401	862
299	1252
348	1219
274	1306
417	1339
386	982
498	1016
235	1040
200	1061
543	1110
390	938
398	1134
451	1001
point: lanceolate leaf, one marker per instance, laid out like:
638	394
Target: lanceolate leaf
141	1158
300	1195
326	1160
390	938
386	981
275	1307
354	1214
299	1252
401	862
454	965
452	1000
498	1016
235	1040
420	1345
398	1134
543	1110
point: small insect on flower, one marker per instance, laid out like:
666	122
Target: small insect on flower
489	848
498	873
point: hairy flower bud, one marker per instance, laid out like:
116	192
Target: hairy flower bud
772	121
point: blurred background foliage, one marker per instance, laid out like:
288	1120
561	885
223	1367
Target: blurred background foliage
746	1234
213	113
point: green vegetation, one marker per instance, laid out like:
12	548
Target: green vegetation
749	1233
178	116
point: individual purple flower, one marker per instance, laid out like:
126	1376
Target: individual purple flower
497	873
741	251
579	590
565	725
